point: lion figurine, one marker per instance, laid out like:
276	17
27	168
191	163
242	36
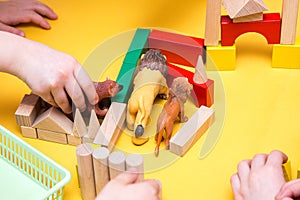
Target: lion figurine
149	82
173	108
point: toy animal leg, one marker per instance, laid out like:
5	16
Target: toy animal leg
169	130
158	138
130	119
141	119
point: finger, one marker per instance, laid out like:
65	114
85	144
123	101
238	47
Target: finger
154	184
258	161
61	100
87	85
4	27
126	178
45	10
47	97
236	186
276	158
76	94
35	18
244	171
289	189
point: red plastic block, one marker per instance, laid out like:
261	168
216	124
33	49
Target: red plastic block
268	27
179	49
203	93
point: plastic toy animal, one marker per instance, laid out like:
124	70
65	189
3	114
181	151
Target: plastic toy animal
105	91
149	82
173	108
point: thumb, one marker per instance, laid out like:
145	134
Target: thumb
127	178
10	29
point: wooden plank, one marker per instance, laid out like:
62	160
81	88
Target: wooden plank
28	110
86	171
28	132
100	163
192	130
79	126
52	136
136	162
111	126
54	120
116	163
249	18
289	21
212	24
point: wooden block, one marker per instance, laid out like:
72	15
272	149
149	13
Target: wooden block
86	171
269	27
79	126
289	21
249	18
286	56
287	171
136	162
221	58
200	75
111	126
116	163
87	139
100	163
192	130
28	132
28	110
74	140
203	93
52	136
177	48
125	76
94	125
212	24
54	120
243	8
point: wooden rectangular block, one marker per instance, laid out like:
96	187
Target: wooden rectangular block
212	24
286	56
74	140
179	49
112	125
52	136
28	110
28	132
289	21
221	58
192	130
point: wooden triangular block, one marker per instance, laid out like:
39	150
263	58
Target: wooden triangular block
54	120
79	127
94	125
200	75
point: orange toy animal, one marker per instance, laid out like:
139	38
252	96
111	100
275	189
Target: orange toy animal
173	108
105	91
149	82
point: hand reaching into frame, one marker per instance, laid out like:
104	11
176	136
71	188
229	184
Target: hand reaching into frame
16	12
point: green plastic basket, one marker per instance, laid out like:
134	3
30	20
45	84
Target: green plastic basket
26	173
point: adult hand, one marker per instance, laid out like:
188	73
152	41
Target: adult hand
260	178
16	12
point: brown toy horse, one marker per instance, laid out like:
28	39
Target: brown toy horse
173	108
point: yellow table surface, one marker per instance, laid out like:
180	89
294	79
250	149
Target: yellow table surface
262	110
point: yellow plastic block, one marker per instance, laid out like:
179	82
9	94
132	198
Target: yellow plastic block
287	172
220	57
286	56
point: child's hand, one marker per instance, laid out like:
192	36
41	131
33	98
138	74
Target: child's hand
260	178
289	191
16	12
124	187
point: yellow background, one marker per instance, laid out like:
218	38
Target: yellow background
262	104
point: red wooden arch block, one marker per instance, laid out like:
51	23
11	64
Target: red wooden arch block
268	27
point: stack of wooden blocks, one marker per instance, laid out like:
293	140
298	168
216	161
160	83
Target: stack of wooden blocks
97	167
